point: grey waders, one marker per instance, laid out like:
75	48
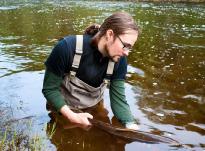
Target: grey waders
77	93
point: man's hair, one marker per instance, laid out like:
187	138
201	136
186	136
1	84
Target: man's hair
119	22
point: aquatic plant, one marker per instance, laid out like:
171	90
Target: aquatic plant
19	140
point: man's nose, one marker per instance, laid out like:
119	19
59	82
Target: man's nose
125	52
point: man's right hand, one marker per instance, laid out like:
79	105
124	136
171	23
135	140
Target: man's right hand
80	119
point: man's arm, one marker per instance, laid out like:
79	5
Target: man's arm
51	91
119	105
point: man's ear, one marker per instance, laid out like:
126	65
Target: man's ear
109	34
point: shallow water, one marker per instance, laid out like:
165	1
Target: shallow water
166	73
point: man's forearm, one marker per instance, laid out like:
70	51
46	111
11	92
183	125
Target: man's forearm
119	105
51	90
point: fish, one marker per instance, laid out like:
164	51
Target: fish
133	135
130	134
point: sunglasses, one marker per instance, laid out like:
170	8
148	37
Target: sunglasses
126	46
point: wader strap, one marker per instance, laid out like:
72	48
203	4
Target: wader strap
78	53
110	69
77	57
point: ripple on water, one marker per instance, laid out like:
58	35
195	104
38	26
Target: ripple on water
10	37
193	97
7	46
8	7
135	70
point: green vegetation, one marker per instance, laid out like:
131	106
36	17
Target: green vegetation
18	140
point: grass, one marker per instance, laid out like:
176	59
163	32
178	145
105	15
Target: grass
18	140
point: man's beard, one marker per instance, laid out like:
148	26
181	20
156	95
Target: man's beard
111	57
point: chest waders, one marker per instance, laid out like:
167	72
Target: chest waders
78	94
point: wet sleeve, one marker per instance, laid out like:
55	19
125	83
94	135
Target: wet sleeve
51	90
119	105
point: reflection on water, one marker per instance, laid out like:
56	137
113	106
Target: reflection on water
166	72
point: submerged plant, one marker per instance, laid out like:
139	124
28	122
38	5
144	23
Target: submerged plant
51	130
19	140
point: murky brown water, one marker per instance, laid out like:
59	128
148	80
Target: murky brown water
165	84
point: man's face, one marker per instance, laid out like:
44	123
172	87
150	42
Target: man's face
118	46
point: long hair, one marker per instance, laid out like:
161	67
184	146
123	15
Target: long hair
119	22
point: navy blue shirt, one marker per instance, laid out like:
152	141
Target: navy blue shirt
93	66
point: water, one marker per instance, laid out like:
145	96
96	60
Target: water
166	74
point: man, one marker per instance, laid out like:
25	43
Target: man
78	66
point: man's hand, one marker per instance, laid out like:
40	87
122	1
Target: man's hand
80	119
132	126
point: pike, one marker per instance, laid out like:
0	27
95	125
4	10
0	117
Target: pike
132	135
129	134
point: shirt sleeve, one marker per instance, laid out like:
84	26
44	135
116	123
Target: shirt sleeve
51	90
119	105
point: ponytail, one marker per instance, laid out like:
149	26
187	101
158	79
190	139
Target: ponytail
92	29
